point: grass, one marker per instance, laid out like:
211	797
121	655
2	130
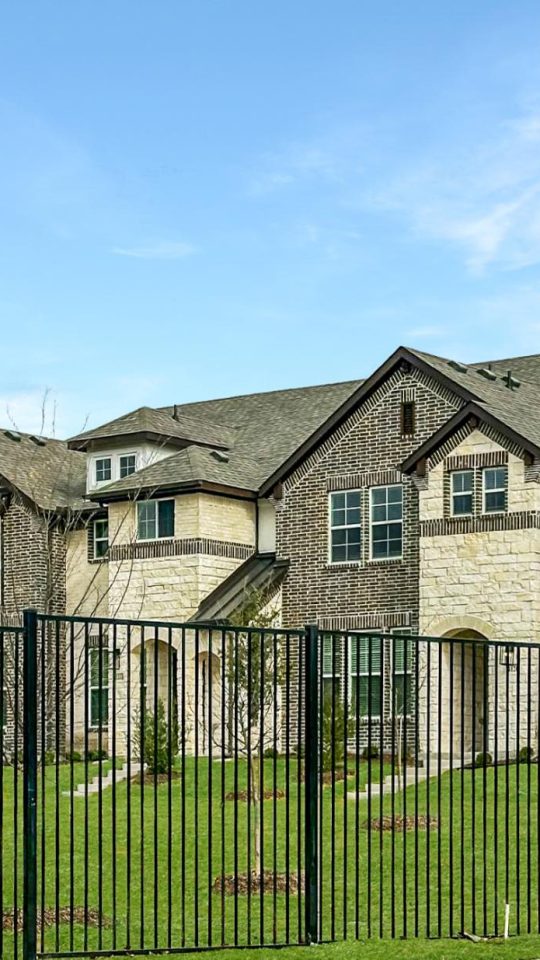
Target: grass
157	888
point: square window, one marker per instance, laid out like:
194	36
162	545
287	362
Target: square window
345	527
103	469
155	519
128	464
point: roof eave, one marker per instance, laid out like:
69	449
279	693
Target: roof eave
188	486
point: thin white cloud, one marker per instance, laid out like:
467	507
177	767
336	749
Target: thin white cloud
484	199
157	251
427	333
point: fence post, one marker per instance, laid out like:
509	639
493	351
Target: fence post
311	785
30	784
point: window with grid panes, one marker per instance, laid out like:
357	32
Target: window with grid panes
365	666
345	526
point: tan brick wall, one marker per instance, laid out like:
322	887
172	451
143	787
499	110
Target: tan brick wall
86	583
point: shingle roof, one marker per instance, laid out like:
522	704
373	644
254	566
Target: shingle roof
262	572
44	470
165	424
264	429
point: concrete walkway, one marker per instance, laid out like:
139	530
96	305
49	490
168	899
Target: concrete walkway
121	773
413	776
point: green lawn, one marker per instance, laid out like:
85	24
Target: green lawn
157	889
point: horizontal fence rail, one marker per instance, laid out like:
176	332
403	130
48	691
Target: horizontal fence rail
203	786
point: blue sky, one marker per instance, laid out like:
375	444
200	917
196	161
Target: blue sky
201	198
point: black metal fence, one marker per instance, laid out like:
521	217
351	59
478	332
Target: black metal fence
203	786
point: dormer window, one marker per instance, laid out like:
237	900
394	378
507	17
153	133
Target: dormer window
103	469
128	464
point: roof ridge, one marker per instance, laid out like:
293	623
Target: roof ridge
265	393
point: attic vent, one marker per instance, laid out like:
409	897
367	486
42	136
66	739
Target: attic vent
39	441
12	435
460	367
511	382
220	456
487	373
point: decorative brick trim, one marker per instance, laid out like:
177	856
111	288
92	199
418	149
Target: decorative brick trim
367	621
353	481
464	431
176	548
518	520
495	458
408	394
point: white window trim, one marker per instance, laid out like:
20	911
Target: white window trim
121	456
95	461
346	526
97	539
366	717
454	473
105	675
502	489
156	538
379	523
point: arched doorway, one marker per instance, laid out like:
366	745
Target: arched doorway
208	718
465	693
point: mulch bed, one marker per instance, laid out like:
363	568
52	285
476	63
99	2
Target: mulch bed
243	795
48	918
399	823
149	779
242	882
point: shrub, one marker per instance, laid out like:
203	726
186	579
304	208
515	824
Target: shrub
370	753
333	733
483	760
93	756
74	756
153	747
525	755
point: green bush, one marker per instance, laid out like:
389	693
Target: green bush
152	740
94	755
74	756
483	760
333	732
370	753
525	754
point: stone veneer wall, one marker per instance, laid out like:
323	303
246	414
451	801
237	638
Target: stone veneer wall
482	575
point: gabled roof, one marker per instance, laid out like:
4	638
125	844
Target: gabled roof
164	426
45	471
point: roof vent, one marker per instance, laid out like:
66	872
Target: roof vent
175	412
460	367
12	435
511	382
487	372
39	441
220	456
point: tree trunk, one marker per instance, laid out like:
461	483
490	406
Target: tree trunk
256	801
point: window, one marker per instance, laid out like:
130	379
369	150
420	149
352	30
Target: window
345	526
103	469
495	479
128	464
155	519
408	418
101	538
402	674
366	676
331	672
386	522
462	493
99	686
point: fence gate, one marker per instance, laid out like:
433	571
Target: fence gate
200	786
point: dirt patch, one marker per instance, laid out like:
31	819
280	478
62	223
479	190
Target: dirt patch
243	795
243	882
48	918
400	823
149	778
